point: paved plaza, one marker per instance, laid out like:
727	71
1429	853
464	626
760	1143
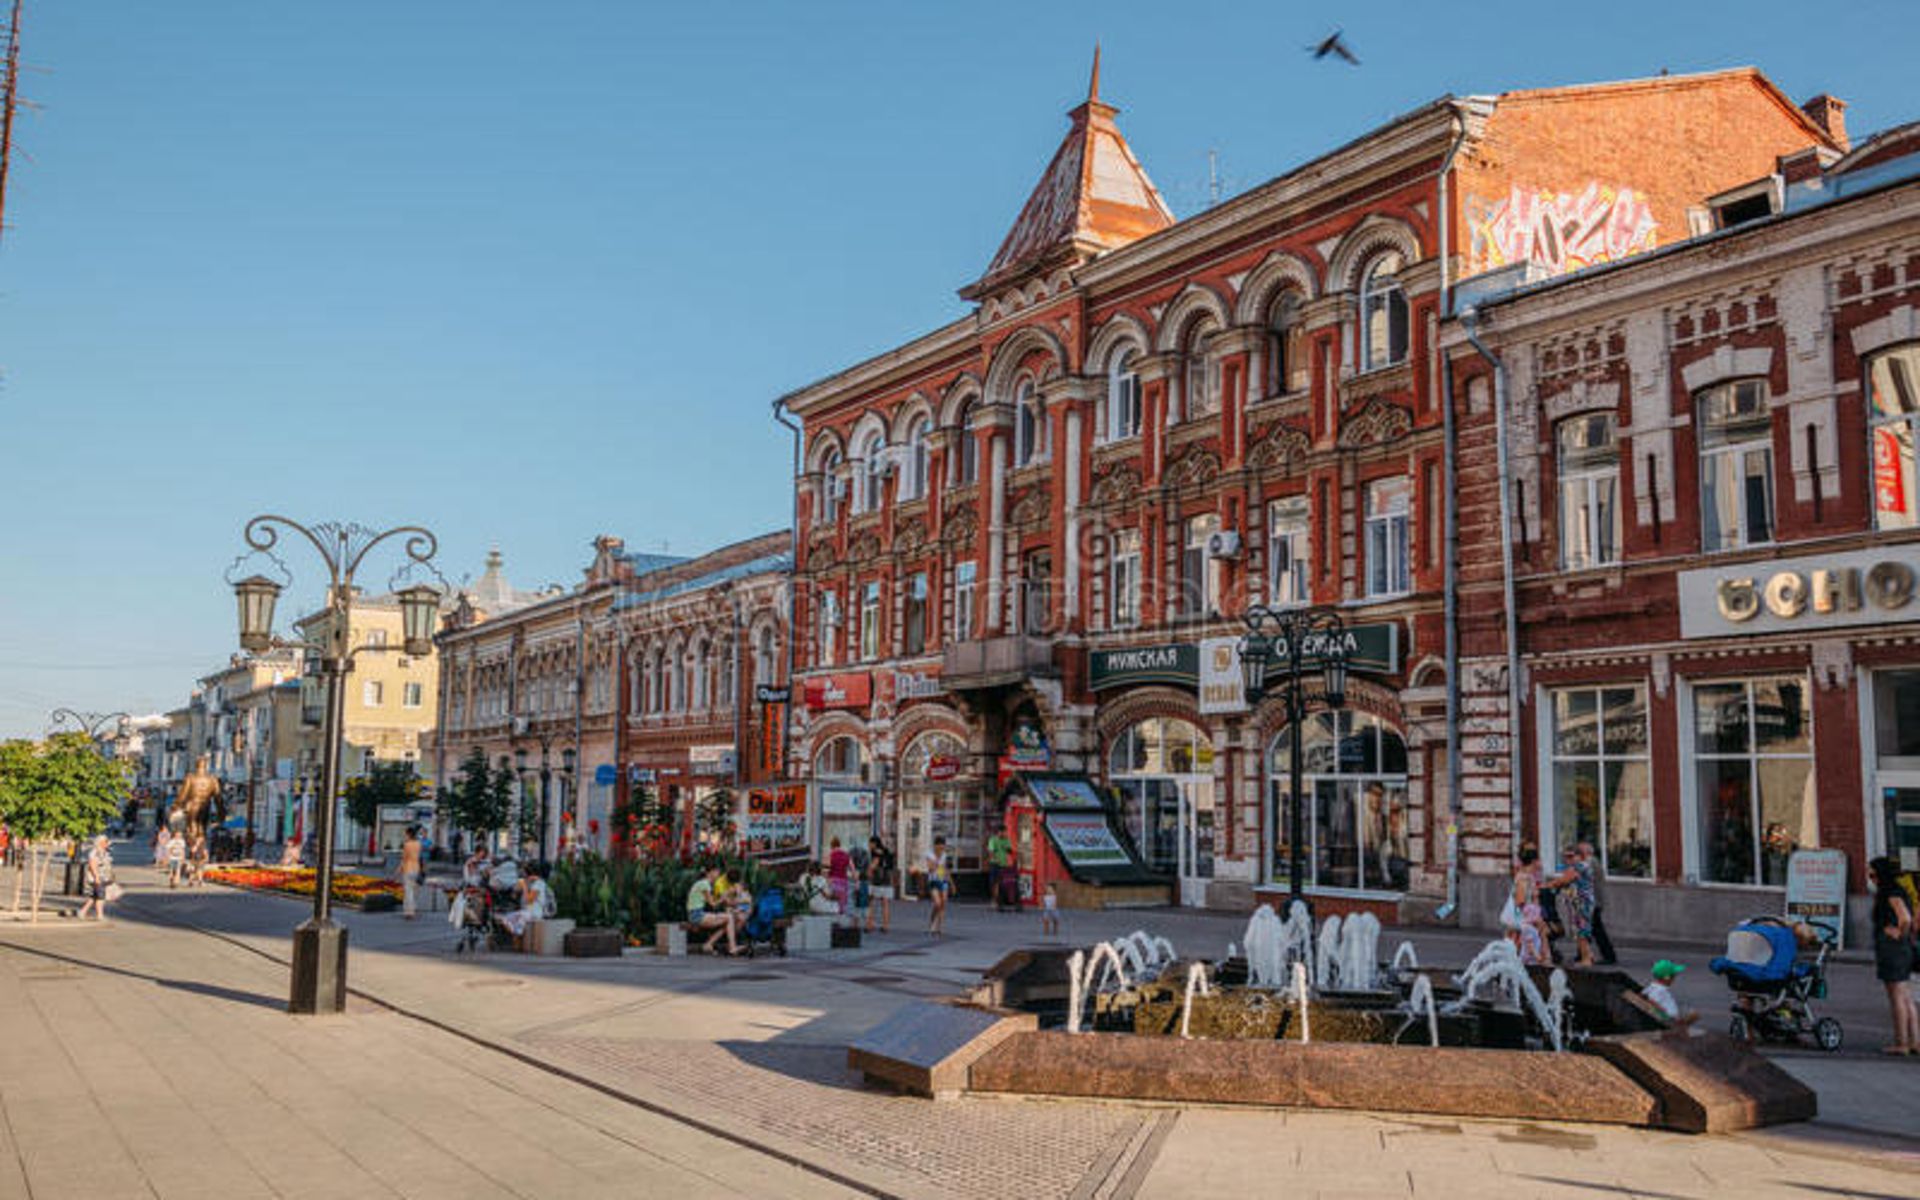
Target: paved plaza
151	1057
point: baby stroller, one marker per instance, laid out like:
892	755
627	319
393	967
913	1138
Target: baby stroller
1773	989
475	921
764	926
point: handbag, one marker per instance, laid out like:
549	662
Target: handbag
113	891
1509	914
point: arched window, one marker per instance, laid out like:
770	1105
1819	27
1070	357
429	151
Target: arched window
1589	468
763	657
1202	380
1029	426
1155	764
1736	465
913	484
1354	775
1286	346
830	486
1383	313
873	470
700	675
723	674
966	455
1123	397
843	760
1893	377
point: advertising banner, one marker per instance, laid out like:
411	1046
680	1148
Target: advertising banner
846	801
1085	840
1176	664
1223	688
839	691
1817	889
776	817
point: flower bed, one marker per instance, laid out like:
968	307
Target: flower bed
347	889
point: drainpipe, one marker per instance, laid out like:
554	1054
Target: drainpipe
574	789
781	415
1450	553
1470	322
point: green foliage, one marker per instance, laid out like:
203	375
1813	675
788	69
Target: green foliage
59	788
478	801
633	895
384	783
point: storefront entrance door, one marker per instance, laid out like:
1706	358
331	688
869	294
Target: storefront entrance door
1196	839
1900	816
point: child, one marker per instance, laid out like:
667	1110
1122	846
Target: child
176	858
1664	973
1050	913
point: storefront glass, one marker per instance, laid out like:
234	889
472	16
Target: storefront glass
1896	735
1354	773
936	802
1753	778
1600	775
1159	765
846	808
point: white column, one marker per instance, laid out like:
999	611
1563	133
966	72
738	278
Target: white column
1072	450
996	533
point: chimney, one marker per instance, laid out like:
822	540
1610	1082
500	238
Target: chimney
1829	113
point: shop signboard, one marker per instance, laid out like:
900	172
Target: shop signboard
1175	663
1817	889
1374	648
1027	748
1804	594
1223	689
1085	840
766	693
853	690
710	760
846	801
1056	792
776	817
917	685
942	767
605	775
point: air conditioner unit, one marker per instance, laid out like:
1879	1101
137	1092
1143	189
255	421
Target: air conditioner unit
1224	544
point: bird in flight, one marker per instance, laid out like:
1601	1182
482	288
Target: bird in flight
1335	44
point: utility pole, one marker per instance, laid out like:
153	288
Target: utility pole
9	100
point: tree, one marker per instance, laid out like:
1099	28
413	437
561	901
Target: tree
478	802
716	819
385	783
55	792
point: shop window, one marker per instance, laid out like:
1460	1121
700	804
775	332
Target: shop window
1753	778
1123	576
1287	531
1354	778
1736	466
1123	397
1202	372
1388	502
1383	314
1893	376
1896	739
1602	786
934	803
1198	594
1029	426
913	483
870	621
967	449
1150	764
963	585
1286	347
915	633
1588	466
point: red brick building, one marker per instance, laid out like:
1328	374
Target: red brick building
1714	538
1019	533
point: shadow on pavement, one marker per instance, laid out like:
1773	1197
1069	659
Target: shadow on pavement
179	985
825	1065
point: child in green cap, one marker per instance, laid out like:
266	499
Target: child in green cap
1664	973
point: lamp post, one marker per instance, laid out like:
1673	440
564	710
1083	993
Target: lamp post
319	945
1294	638
545	774
90	723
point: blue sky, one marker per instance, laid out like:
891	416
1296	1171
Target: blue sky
530	273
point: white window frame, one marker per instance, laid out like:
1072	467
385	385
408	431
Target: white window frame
1692	858
966	456
829	630
412	695
913	484
965	579
1289	529
1582	544
915	598
373	693
873	467
1380	291
1029	425
870	648
1286	342
1123	397
1194	559
1200	379
1123	579
1734	454
1547	754
830	485
1389	537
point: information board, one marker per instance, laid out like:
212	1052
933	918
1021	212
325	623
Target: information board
1085	840
1817	890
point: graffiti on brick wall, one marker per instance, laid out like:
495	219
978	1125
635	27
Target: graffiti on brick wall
1561	231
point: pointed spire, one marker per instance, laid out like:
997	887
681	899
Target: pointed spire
1093	197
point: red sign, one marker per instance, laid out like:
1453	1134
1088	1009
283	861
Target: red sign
1889	475
942	766
840	691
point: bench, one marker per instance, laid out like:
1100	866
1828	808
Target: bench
679	938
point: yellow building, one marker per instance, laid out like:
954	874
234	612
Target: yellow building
391	697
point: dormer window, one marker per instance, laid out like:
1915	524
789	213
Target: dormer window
1755	201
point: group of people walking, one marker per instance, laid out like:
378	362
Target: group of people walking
1541	907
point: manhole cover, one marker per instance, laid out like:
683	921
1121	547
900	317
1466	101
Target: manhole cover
754	977
496	983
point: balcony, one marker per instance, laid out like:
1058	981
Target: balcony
995	662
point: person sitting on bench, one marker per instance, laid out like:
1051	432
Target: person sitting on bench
707	911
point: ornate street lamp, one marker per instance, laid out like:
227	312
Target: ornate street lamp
526	773
319	945
1294	638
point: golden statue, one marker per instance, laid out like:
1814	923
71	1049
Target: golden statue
198	793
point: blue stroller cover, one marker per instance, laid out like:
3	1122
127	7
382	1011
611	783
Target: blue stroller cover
1760	953
769	906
